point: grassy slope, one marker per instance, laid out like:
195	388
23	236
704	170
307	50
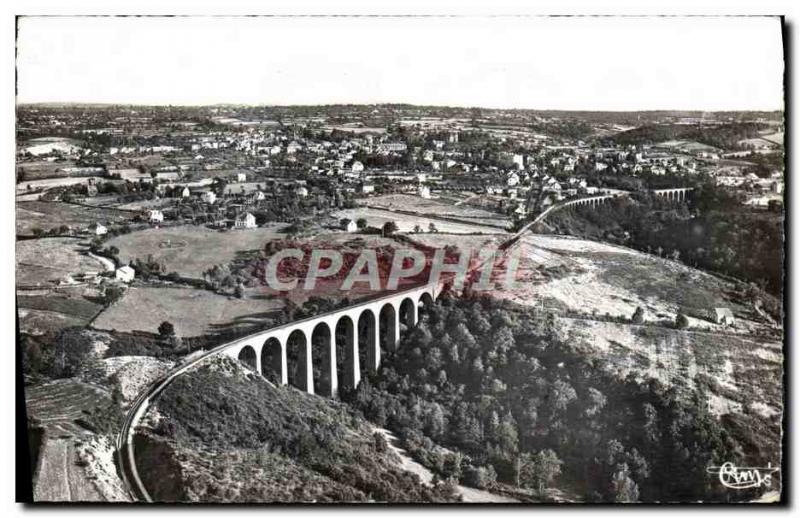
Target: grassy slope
230	436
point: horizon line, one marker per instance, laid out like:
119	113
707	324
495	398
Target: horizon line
463	107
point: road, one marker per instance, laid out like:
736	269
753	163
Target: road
108	264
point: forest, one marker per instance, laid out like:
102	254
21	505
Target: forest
712	231
518	406
722	136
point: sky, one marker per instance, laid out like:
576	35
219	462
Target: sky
566	63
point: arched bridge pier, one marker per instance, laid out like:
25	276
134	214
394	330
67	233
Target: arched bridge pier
304	353
676	194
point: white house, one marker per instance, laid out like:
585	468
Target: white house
125	274
241	177
98	229
155	216
185	193
357	167
246	220
301	191
724	316
424	192
348	225
209	197
367	188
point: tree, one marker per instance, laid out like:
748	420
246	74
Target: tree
72	351
623	487
479	477
112	293
389	228
638	316
361	223
681	321
166	330
539	471
432	228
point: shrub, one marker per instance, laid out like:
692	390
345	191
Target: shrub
479	476
681	321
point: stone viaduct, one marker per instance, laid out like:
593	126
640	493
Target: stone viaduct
676	194
286	354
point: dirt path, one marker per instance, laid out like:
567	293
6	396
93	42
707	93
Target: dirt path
108	264
469	494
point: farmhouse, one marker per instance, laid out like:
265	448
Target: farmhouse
357	167
209	197
724	316
125	274
185	193
98	229
348	225
155	216
246	220
424	192
302	192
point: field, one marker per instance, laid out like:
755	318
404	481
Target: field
40	169
243	187
54	310
47	215
190	251
59	478
459	208
687	146
40	262
56	405
194	312
48	183
74	464
584	276
407	222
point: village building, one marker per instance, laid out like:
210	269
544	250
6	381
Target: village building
348	225
724	316
125	274
246	220
98	229
357	167
155	216
209	197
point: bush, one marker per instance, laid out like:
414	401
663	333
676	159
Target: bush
681	321
479	476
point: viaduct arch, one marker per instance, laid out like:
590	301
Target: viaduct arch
675	194
319	354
